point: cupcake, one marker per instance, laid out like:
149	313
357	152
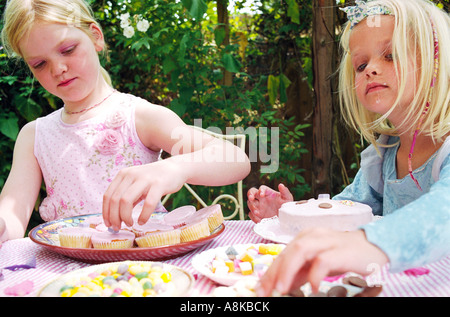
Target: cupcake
159	238
102	227
213	214
194	230
177	217
92	221
150	227
111	240
75	237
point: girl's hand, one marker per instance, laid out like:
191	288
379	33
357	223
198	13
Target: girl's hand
265	202
317	253
196	158
132	185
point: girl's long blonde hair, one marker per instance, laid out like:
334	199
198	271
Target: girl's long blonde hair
20	16
412	39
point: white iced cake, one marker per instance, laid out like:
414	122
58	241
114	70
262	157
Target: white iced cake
342	215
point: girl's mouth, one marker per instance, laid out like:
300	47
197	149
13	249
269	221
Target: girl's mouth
375	87
66	82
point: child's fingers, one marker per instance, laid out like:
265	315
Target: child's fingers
285	193
151	201
120	198
111	202
265	191
254	217
253	205
128	200
319	269
251	193
254	210
293	265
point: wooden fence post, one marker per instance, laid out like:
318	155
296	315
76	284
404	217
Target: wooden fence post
324	66
223	20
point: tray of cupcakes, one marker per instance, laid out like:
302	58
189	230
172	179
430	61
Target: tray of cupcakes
166	235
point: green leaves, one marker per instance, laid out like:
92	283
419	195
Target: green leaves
9	125
219	35
230	63
180	62
196	8
168	65
27	107
18	90
141	42
293	11
277	85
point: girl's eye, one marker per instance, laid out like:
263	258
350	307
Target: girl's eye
361	67
68	50
39	65
389	57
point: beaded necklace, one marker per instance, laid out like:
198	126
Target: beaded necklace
88	108
427	106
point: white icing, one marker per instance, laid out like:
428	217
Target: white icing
342	215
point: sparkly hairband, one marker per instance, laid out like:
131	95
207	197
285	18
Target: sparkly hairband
361	11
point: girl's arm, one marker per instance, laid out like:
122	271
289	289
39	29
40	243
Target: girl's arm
19	194
197	158
419	232
414	235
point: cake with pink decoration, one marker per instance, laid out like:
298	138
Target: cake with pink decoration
183	224
73	237
178	217
150	227
121	239
195	229
92	221
341	215
154	234
212	213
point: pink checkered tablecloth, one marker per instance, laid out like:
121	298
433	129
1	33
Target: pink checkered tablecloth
432	280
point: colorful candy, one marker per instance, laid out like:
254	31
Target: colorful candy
125	280
246	260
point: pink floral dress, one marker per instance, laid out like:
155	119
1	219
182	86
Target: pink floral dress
78	161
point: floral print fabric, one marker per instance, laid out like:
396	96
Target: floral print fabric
79	161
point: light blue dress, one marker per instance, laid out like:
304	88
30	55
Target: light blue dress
415	227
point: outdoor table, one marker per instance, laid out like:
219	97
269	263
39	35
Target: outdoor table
432	280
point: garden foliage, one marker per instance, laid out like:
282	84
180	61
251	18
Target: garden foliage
175	54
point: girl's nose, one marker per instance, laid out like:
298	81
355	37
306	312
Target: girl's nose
372	69
58	68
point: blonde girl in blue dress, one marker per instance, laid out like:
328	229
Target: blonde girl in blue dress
394	90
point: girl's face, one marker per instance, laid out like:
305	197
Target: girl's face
64	59
375	77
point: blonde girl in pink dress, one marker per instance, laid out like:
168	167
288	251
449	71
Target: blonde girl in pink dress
101	151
